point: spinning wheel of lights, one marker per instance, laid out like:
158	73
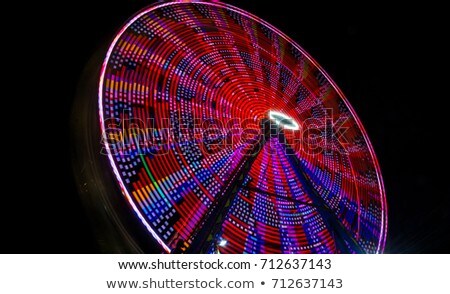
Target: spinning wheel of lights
178	83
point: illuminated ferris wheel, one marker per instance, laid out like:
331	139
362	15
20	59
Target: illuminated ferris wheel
224	135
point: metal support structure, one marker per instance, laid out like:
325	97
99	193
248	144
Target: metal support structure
204	239
211	224
344	239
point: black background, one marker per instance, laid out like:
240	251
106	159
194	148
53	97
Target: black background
390	62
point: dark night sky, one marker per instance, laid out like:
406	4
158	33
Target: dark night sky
389	62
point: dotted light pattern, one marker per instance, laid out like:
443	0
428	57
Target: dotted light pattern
177	62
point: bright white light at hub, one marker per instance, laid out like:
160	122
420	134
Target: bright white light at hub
222	243
283	120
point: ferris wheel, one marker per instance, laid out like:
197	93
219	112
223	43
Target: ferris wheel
225	136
